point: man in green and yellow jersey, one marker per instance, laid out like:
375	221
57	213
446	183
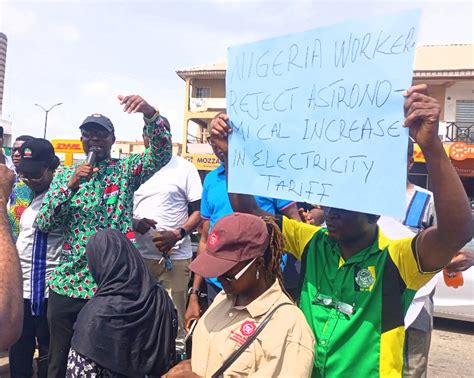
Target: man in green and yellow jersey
356	283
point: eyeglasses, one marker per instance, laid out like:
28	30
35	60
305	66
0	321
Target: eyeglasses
327	301
101	134
31	179
240	273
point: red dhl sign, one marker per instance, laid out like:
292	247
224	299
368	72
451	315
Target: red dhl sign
461	151
67	145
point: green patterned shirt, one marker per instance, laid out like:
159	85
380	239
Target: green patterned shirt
105	201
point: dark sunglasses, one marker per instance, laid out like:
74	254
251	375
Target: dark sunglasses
101	134
32	177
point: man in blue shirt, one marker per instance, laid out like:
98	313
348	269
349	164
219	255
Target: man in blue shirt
214	205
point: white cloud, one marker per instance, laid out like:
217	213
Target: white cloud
96	88
16	21
69	33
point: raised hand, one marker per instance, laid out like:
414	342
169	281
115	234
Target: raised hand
422	115
136	104
219	126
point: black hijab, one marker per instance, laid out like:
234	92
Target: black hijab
125	325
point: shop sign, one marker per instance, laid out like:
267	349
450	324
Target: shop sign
67	145
461	151
203	162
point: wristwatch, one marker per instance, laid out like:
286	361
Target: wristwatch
193	290
153	118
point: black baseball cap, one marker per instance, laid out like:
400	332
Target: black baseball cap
35	154
97	119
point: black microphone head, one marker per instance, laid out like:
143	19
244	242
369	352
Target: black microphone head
91	155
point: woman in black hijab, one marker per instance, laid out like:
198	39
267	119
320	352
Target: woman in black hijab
129	327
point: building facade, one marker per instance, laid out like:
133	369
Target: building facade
204	98
447	69
449	72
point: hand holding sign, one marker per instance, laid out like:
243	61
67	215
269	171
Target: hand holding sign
218	135
219	126
422	115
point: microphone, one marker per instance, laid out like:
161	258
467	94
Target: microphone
91	155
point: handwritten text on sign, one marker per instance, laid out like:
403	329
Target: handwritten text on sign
317	116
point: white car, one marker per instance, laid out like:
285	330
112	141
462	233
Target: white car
456	303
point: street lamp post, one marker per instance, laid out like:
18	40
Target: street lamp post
46	115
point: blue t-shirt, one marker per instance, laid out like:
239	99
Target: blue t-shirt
215	202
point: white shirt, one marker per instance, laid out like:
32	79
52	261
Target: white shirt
38	251
165	198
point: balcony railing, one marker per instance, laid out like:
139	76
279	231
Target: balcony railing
205	104
460	132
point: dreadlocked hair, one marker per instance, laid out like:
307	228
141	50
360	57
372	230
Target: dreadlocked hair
273	255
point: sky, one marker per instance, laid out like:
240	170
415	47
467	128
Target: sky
85	53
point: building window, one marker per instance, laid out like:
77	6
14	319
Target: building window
465	111
202	92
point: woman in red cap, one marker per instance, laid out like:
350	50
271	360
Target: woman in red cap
252	328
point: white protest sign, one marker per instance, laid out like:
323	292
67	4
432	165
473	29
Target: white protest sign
318	116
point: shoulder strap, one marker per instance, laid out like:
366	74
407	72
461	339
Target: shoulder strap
233	357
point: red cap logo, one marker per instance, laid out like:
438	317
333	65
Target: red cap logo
27	153
213	239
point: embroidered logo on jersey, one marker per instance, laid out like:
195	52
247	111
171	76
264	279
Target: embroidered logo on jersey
66	252
111	194
237	337
248	328
365	278
213	239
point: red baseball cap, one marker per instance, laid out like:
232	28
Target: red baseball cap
234	238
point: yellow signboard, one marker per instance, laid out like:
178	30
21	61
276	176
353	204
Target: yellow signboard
203	162
67	145
418	154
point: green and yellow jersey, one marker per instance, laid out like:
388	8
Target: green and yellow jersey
355	307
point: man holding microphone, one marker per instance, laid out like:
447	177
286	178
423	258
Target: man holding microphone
90	197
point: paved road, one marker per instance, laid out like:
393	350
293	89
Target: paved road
451	355
452	349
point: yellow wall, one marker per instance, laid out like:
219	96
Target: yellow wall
217	87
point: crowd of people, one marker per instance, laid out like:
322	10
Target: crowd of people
97	271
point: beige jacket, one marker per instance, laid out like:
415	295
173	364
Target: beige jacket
284	348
